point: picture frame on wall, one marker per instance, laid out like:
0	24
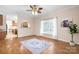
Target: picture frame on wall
65	23
24	24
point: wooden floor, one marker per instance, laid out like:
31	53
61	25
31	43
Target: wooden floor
13	46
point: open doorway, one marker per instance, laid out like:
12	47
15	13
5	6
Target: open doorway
11	26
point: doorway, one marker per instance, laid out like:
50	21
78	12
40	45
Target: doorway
11	26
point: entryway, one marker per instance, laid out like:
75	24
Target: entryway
11	26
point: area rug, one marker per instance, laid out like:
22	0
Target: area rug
34	45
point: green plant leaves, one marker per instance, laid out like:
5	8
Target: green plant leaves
73	28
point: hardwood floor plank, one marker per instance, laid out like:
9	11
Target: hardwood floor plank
13	46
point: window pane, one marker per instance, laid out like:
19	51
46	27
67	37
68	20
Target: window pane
49	27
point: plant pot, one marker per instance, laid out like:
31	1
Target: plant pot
72	43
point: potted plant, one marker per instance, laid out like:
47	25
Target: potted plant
73	28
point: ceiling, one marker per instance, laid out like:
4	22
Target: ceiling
21	9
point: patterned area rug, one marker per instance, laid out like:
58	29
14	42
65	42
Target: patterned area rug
34	45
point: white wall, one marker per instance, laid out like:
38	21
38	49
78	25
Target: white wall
24	31
63	33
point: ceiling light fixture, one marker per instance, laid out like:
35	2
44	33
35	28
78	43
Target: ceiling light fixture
35	9
34	12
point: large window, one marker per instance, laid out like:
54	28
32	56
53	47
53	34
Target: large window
49	27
